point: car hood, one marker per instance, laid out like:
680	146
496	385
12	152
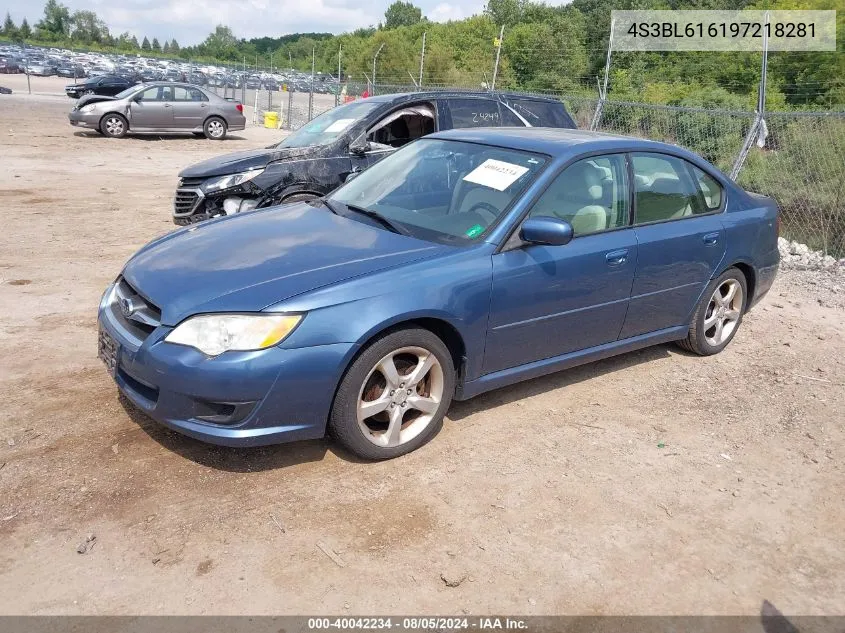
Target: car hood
247	262
86	99
246	160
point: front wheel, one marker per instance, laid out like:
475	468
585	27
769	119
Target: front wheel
718	314
114	125
215	129
393	398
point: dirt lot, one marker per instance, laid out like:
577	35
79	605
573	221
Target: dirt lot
655	482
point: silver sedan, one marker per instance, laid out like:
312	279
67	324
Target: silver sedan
159	108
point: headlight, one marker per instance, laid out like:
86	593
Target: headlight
224	182
213	334
87	108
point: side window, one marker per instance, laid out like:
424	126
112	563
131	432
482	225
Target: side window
592	195
664	189
402	126
181	93
475	113
150	94
711	190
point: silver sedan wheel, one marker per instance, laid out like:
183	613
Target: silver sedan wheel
216	128
114	126
723	312
400	396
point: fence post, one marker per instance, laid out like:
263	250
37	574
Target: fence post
243	83
758	128
422	62
311	88
498	53
337	92
290	107
375	59
594	124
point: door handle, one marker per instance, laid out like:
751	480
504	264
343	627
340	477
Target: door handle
166	105
616	258
711	238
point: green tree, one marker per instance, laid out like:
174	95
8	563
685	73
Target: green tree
402	14
222	44
145	45
156	45
88	28
9	28
165	47
505	12
56	23
134	43
24	32
174	46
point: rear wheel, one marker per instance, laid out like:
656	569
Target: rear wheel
215	129
393	398
718	314
114	125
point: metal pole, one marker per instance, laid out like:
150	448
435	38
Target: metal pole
414	81
378	52
498	53
243	83
594	124
311	90
26	68
337	93
757	128
422	62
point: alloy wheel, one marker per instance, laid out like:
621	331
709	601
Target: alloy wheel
400	396
114	126
723	312
215	128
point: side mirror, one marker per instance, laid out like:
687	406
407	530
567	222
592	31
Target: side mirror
360	147
545	230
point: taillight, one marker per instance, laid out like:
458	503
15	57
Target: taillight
240	107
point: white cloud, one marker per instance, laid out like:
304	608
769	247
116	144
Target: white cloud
190	21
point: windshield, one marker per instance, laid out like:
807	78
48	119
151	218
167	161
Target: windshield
445	191
329	126
125	93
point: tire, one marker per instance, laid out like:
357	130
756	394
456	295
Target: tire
718	314
114	125
214	129
396	425
299	197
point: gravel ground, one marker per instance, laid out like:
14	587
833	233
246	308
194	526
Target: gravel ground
652	483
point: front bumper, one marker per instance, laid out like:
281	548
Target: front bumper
78	119
263	397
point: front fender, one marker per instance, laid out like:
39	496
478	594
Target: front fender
454	288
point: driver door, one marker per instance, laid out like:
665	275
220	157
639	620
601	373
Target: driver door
553	300
151	109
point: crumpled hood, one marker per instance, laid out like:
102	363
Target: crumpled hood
244	161
247	262
86	99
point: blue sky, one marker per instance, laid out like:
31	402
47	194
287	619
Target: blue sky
189	21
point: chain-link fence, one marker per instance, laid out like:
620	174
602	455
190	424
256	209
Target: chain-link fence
801	163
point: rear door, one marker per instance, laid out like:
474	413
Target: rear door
190	107
468	112
681	241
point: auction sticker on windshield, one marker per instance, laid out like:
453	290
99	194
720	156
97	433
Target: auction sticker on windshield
495	174
340	125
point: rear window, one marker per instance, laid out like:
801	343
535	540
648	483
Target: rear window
468	113
542	113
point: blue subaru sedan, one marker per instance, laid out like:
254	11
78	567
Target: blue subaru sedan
466	261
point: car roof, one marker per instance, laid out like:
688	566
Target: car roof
455	94
557	141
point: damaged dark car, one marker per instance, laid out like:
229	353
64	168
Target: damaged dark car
320	156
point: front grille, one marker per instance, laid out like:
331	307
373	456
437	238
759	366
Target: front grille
190	182
185	201
137	315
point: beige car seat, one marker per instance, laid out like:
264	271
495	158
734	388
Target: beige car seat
576	197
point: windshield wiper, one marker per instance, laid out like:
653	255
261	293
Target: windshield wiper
325	203
385	221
